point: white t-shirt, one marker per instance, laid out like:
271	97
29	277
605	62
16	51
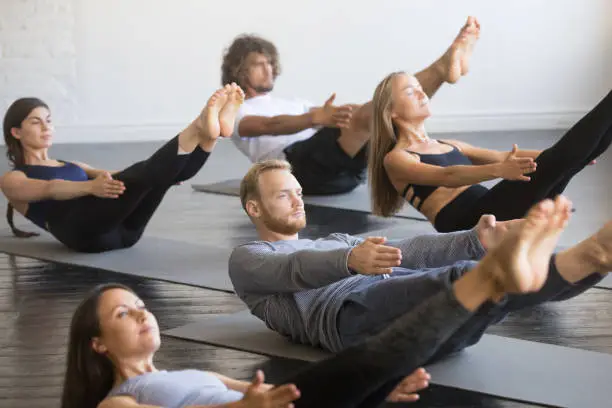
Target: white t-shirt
269	146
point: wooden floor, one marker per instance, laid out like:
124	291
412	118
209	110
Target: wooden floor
38	298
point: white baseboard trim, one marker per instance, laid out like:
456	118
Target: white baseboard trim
510	121
115	133
443	123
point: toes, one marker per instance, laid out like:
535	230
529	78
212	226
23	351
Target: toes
563	210
544	208
563	204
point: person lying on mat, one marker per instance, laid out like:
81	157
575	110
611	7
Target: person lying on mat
114	338
441	178
92	210
326	145
336	291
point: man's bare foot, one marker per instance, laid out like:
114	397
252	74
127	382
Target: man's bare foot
491	232
519	264
227	116
455	62
208	125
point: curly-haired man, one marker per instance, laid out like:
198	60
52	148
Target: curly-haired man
326	145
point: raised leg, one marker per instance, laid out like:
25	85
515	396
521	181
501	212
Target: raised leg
93	215
364	374
449	68
589	137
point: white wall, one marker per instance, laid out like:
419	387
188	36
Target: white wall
141	69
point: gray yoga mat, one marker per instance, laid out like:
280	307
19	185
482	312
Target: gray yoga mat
606	283
151	257
508	368
356	200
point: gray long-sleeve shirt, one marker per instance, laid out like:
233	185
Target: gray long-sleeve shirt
298	286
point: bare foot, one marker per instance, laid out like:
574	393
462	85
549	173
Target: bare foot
208	125
470	35
227	116
491	232
519	264
455	62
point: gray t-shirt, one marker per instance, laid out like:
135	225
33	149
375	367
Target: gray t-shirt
297	287
176	389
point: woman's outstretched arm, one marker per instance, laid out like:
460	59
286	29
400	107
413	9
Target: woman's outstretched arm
407	169
480	155
17	187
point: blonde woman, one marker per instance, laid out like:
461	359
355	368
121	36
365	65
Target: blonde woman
441	178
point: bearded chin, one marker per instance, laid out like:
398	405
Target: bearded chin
284	228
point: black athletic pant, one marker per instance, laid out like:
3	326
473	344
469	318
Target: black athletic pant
365	374
583	143
93	224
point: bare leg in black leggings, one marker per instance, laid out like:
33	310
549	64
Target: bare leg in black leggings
94	224
363	375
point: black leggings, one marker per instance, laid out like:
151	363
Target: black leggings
583	143
93	224
365	374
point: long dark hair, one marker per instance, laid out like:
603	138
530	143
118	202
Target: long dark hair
14	117
89	375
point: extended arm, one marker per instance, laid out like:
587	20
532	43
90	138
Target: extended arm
17	187
407	169
259	268
326	115
479	155
237	385
253	126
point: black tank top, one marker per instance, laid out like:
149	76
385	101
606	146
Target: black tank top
452	158
38	210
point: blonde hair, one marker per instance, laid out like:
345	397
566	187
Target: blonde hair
249	186
385	199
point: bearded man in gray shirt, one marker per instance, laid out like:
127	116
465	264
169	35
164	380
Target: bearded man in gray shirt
337	291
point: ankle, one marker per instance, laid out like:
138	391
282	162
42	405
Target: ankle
476	287
580	261
439	69
188	139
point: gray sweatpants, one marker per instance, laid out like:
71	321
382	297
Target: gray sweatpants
368	310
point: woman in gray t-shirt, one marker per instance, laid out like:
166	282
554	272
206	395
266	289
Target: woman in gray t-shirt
113	339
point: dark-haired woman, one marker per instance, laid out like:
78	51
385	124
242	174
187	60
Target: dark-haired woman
113	340
92	210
